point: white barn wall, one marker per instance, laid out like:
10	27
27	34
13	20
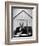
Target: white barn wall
22	16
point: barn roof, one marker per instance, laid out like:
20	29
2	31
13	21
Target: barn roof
21	12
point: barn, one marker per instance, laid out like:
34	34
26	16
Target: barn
24	20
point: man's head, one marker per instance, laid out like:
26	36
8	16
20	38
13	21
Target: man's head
21	24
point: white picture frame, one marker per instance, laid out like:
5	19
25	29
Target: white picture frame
9	22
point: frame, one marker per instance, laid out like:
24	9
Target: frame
14	10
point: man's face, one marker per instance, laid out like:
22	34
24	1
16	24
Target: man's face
21	25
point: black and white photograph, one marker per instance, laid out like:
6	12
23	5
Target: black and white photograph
22	22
